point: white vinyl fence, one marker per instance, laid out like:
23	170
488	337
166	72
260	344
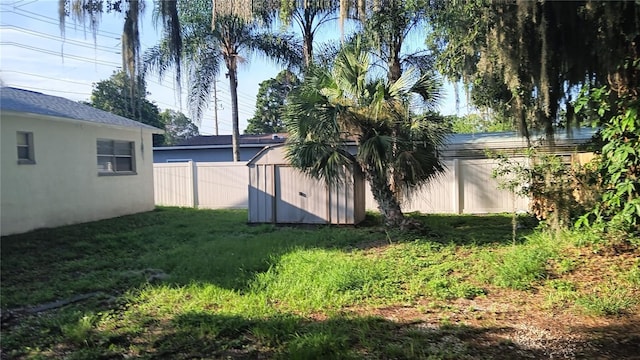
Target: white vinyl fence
465	187
214	185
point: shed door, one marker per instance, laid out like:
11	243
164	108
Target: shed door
299	199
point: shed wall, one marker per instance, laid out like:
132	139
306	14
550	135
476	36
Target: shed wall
279	193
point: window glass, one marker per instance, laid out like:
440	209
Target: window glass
115	156
24	142
105	147
122	148
123	164
23	138
23	153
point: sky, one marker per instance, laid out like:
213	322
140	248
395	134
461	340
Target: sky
34	55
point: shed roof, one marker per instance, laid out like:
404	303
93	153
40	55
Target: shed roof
26	101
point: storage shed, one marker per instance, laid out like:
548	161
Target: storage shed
282	194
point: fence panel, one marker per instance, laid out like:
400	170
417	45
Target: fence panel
173	184
481	192
465	187
222	185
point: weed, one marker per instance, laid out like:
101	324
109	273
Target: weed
80	332
317	345
521	265
633	275
605	300
566	266
561	294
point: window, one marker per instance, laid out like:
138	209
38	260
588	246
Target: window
25	148
115	157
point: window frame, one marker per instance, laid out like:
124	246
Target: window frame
31	158
114	156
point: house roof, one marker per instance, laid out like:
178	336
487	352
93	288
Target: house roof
19	100
262	139
456	145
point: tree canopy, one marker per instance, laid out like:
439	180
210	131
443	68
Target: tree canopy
532	56
177	127
114	95
270	103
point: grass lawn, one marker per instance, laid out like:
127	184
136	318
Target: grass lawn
190	284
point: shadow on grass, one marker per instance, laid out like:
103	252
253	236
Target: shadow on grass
476	230
194	246
205	335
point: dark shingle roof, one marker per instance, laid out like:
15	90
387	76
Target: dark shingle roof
226	139
19	100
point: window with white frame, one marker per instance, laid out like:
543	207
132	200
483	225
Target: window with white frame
24	142
115	157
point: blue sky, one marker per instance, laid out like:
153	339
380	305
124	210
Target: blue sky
35	56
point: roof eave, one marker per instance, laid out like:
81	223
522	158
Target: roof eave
26	114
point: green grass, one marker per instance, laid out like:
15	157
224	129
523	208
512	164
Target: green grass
521	266
184	283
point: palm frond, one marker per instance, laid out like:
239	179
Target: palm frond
321	160
375	152
429	89
282	48
168	13
202	74
157	59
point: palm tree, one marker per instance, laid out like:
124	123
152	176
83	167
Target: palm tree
232	41
308	16
344	104
89	13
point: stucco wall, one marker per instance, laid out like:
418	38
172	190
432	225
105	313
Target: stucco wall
63	186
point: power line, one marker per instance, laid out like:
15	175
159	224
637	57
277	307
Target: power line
51	20
55	91
58	38
54	21
44	77
50	52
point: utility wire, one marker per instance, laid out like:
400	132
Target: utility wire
44	77
56	90
58	38
51	52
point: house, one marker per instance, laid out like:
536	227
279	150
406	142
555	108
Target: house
279	193
214	148
64	162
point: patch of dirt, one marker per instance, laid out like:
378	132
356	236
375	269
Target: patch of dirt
508	324
519	328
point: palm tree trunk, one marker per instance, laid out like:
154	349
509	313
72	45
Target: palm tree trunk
387	202
307	38
235	135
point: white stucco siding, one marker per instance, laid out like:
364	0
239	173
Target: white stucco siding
63	186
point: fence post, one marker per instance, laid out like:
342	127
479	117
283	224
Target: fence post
458	187
193	167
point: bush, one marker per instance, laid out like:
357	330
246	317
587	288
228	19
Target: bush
559	191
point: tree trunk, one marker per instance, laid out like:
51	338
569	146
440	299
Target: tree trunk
235	135
387	202
395	72
307	38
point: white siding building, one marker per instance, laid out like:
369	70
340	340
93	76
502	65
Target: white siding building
65	163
